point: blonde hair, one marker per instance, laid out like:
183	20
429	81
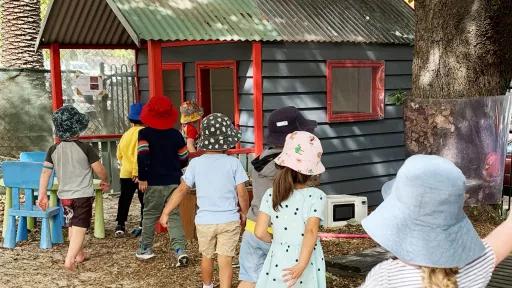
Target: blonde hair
439	277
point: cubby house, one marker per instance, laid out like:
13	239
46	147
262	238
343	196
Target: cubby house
335	60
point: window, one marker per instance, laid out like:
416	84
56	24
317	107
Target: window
355	90
172	74
217	90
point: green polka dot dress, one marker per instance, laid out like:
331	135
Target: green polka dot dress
288	226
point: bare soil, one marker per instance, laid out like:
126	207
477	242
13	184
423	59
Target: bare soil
113	262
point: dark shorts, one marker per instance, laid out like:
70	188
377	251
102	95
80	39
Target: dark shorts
78	212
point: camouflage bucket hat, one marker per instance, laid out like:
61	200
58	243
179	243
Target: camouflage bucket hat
218	133
69	122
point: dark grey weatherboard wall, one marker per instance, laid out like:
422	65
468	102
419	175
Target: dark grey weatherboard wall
189	55
359	156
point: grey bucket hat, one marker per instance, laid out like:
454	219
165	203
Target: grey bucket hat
218	133
422	221
69	122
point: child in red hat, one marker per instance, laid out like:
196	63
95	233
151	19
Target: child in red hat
161	154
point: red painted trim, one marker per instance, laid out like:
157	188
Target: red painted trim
257	81
91	47
137	84
179	67
194	43
377	90
155	68
56	77
240	151
100	137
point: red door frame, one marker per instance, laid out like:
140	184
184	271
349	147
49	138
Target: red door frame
213	65
257	82
176	66
377	90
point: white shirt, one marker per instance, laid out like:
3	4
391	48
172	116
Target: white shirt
394	273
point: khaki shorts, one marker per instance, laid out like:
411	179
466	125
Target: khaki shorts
218	238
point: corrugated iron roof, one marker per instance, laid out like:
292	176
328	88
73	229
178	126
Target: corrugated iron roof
360	21
89	22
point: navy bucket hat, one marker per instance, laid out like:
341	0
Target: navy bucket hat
69	122
135	110
422	220
284	121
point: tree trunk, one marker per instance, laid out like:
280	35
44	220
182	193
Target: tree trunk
463	49
20	28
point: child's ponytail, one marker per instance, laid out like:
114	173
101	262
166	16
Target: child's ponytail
439	277
284	184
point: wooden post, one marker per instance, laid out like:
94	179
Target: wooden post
56	77
155	68
258	97
99	220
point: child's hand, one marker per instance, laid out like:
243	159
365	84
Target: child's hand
291	275
143	186
42	201
105	186
163	220
243	219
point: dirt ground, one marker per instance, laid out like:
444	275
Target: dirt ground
113	262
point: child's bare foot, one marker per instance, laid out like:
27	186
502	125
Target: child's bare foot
70	265
82	257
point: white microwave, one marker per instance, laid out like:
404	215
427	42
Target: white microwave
343	208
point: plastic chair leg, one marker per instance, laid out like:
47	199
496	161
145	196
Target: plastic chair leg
99	221
46	242
10	233
8	205
22	233
56	230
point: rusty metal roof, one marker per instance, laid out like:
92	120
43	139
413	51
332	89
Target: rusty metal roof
79	22
359	21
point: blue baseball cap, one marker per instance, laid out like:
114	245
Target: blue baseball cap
135	110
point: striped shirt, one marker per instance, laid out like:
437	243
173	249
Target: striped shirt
161	154
395	274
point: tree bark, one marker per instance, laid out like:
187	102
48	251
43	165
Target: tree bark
463	49
20	28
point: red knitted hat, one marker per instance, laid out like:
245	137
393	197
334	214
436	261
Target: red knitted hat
159	113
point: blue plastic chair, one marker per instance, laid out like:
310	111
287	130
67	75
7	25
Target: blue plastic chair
39	156
25	176
32	156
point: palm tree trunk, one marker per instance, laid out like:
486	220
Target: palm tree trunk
20	28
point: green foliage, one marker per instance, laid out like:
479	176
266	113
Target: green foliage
398	97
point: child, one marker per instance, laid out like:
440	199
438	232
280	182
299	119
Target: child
422	222
190	115
162	153
127	156
253	251
74	162
295	212
219	180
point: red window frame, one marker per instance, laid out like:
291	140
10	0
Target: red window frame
377	91
176	66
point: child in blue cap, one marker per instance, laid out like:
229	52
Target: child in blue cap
127	156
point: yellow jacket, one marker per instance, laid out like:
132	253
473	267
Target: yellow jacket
127	153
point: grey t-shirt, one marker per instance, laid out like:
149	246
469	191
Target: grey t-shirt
72	163
261	182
